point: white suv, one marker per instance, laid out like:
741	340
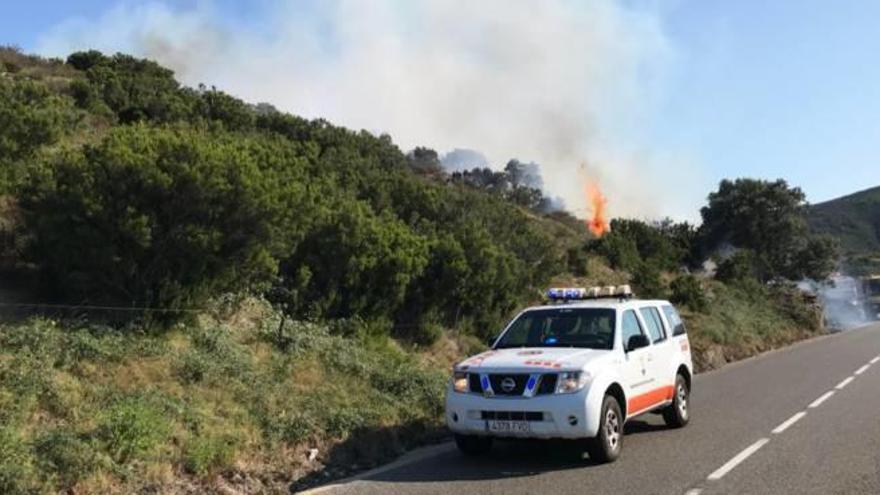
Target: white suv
576	369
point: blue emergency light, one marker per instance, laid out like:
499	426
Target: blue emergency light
579	293
567	293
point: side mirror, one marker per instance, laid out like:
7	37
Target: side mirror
491	340
637	342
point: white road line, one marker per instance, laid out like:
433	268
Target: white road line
818	402
874	360
693	491
788	422
862	369
748	451
414	456
845	382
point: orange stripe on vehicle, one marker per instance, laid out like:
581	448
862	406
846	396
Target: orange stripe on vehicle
650	399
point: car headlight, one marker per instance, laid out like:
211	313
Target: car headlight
570	382
459	381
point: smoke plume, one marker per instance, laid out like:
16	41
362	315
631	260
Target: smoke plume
556	82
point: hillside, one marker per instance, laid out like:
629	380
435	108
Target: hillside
853	219
229	297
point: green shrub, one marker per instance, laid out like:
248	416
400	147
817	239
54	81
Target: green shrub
16	464
97	344
298	427
31	117
163	217
422	332
206	454
340	421
688	291
132	427
193	367
65	456
738	267
647	282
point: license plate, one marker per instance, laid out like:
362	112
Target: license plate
509	426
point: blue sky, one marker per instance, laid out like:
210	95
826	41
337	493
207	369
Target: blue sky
760	89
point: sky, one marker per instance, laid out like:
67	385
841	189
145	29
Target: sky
656	100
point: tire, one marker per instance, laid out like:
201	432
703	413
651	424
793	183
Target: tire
606	446
678	414
473	445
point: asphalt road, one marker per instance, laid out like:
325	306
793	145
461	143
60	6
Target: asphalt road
802	420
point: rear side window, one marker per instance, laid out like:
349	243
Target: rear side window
652	319
674	320
629	326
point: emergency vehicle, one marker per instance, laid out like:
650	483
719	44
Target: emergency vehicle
579	367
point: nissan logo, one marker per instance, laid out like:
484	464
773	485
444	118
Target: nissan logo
508	384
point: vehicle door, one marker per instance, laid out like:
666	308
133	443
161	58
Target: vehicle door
634	373
678	334
661	360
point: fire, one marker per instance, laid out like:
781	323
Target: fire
598	224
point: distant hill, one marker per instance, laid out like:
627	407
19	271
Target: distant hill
854	219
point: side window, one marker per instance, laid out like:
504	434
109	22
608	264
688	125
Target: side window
652	319
629	326
656	314
674	321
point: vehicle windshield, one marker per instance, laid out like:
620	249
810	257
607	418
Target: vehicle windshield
561	327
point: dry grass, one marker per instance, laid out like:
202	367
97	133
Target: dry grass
53	71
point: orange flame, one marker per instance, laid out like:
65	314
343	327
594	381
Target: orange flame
598	224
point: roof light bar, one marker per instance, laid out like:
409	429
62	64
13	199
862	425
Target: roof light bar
579	293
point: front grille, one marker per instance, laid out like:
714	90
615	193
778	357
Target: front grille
513	415
548	384
474	383
519	381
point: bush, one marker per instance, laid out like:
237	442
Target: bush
665	245
354	263
688	290
206	454
31	117
162	217
647	282
65	456
16	464
737	268
132	427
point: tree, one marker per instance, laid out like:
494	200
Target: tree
354	263
425	161
163	217
768	219
31	117
134	89
665	245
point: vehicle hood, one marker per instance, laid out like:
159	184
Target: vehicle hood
526	359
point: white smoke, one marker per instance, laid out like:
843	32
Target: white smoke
566	84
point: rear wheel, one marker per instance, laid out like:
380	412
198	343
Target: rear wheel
608	442
473	444
678	414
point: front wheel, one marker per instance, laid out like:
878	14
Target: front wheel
678	414
473	444
608	442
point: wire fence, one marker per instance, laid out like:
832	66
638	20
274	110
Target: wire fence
97	313
87	307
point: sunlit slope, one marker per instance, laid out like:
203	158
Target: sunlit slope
853	219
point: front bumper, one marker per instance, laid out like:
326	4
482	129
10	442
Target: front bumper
563	415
